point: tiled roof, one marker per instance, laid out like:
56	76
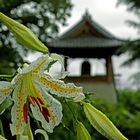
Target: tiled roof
82	42
87	18
97	37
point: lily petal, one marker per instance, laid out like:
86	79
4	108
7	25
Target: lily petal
60	58
5	90
61	89
51	114
41	131
17	114
39	65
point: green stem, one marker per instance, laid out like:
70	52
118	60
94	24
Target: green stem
1	129
17	137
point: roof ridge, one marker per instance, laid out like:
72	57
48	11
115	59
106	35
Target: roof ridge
87	18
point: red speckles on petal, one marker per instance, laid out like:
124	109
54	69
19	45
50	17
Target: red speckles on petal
46	114
25	113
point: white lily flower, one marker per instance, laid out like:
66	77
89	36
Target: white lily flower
31	86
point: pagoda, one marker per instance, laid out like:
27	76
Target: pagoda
87	39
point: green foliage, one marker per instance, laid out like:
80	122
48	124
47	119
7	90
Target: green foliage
125	115
132	5
44	17
132	47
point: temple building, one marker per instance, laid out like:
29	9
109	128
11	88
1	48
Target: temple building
87	39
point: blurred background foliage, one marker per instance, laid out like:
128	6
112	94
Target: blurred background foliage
125	115
132	47
44	17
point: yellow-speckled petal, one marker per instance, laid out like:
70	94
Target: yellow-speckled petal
5	90
19	97
61	89
53	115
38	66
60	74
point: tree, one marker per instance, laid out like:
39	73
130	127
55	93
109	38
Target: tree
44	18
132	46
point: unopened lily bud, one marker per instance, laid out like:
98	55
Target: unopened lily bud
101	123
82	132
23	34
2	138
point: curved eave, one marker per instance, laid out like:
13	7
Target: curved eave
85	51
91	47
82	42
87	18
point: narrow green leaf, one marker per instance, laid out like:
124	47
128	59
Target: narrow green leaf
82	132
6	104
6	77
101	123
23	34
1	130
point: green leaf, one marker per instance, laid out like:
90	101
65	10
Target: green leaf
23	34
6	104
82	132
101	123
6	77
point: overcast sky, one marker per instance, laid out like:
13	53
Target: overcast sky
106	14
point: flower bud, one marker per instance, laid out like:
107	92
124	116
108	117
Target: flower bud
23	34
82	133
2	138
101	123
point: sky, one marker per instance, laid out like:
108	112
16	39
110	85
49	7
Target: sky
106	14
113	19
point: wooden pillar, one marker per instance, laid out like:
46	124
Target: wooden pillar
65	63
109	70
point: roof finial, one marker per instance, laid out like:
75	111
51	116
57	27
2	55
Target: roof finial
86	14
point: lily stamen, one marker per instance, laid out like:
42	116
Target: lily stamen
31	100
46	113
25	113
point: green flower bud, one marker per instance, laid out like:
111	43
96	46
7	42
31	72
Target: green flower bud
2	138
23	34
101	123
82	133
